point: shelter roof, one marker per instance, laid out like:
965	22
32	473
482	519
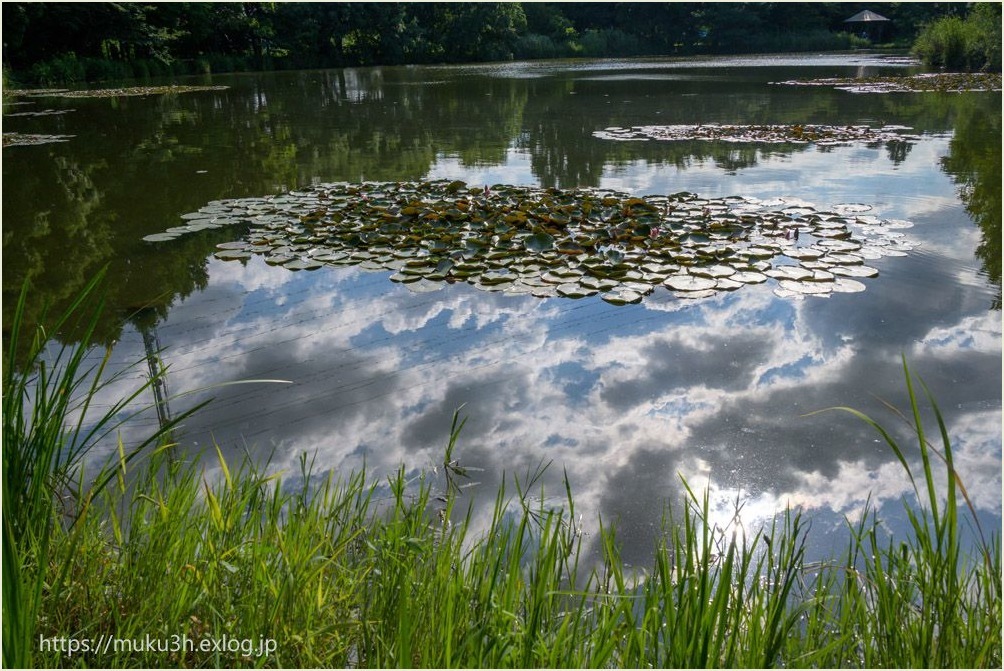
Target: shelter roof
865	15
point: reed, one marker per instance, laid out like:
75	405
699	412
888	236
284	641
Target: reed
48	427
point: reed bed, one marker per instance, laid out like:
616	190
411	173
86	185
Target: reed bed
141	563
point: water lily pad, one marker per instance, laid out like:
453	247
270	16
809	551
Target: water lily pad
806	287
704	293
804	253
575	290
689	283
202	225
727	284
854	271
493	277
789	273
302	264
749	277
232	254
713	271
851	208
537	240
642	288
622	297
845	285
600	284
162	237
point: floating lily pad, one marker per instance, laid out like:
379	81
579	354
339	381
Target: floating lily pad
575	290
232	254
539	242
749	277
714	271
796	273
854	271
164	237
622	297
806	287
302	264
690	283
705	293
551	242
845	285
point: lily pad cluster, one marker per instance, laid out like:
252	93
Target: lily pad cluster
111	93
551	242
28	139
950	82
772	134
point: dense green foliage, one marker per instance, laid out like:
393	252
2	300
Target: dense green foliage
973	43
321	571
54	43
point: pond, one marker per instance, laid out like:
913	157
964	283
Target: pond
622	399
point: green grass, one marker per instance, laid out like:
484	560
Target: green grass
337	570
973	43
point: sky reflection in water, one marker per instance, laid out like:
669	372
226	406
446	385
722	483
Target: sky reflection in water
624	399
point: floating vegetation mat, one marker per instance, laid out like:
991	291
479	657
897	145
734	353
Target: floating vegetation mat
13	93
551	242
774	134
47	112
26	139
955	82
111	93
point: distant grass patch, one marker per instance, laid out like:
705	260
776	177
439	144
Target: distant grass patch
335	570
973	43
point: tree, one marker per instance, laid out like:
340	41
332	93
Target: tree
478	31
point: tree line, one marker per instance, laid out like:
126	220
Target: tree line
57	43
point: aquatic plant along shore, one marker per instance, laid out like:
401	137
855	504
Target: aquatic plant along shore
550	242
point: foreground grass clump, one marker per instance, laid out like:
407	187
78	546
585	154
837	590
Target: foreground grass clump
156	564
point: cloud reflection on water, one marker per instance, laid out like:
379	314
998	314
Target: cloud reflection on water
624	399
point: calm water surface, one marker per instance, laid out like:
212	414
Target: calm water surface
623	399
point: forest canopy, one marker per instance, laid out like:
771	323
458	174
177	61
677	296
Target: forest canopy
56	43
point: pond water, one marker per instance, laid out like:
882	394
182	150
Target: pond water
622	399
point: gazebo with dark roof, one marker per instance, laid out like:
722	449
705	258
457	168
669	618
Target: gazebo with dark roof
868	23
